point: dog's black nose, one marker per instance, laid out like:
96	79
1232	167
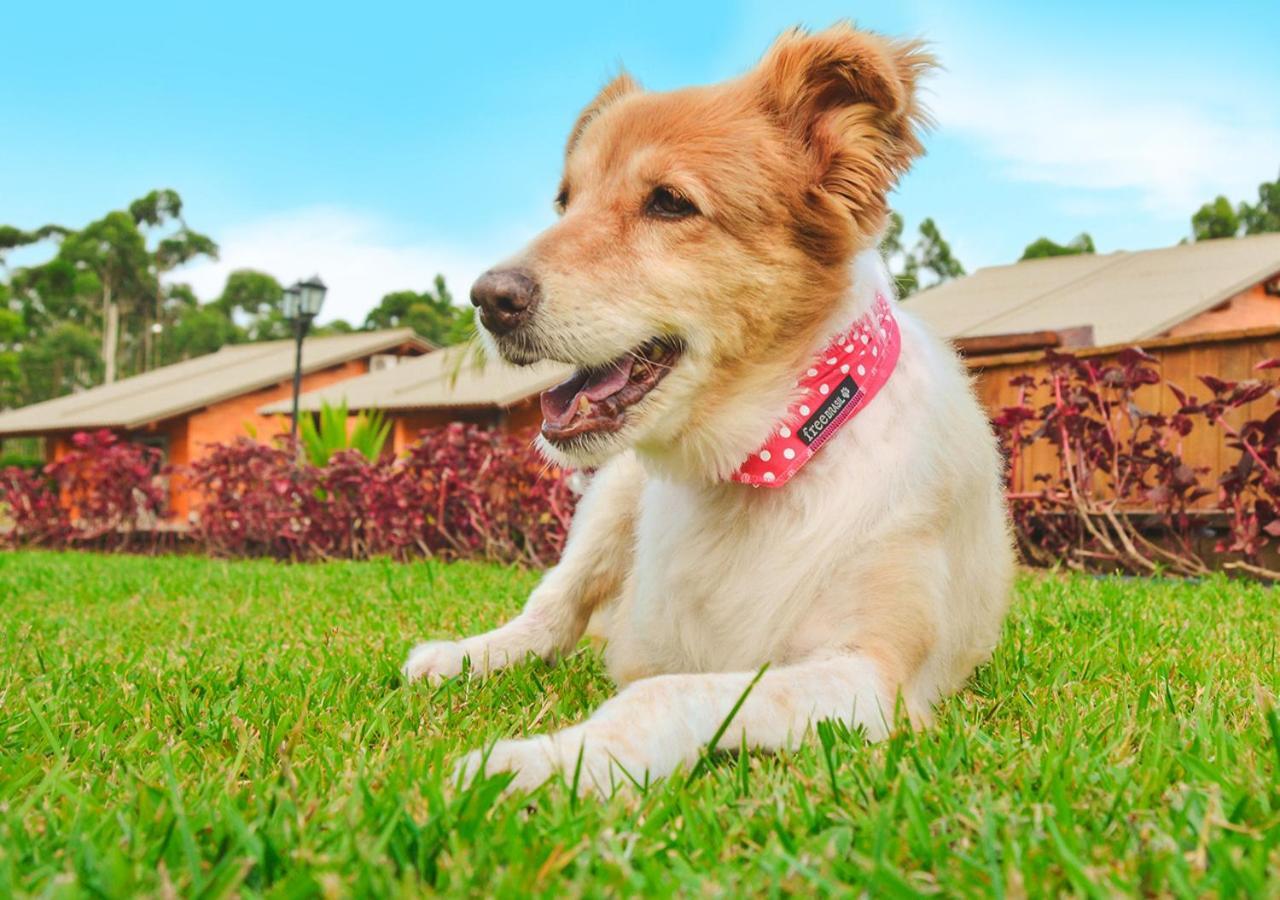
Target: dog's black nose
506	298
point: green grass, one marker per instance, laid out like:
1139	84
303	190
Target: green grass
211	728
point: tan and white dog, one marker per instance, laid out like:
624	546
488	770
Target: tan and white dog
712	242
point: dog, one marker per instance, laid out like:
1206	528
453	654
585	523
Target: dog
797	511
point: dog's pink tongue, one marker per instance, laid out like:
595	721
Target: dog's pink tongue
560	403
608	382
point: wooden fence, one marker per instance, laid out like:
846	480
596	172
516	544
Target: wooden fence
1229	355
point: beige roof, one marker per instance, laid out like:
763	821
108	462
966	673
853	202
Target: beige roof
182	387
456	377
1124	296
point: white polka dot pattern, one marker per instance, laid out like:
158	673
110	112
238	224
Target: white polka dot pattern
842	379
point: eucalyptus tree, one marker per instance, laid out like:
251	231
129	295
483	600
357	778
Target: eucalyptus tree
121	260
115	251
171	251
104	284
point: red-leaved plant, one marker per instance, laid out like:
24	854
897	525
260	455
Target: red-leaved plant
461	491
1123	496
30	512
104	491
1249	490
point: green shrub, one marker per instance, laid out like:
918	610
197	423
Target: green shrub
321	441
21	461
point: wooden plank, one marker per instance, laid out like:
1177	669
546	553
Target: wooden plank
1236	364
1242	335
995	344
1175	366
1205	444
1002	344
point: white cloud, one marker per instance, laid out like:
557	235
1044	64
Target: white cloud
355	254
1166	147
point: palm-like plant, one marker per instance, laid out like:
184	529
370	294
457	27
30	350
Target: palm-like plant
327	433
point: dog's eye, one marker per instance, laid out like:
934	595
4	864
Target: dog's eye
562	200
668	203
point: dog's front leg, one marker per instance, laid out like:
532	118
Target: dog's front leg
596	559
660	723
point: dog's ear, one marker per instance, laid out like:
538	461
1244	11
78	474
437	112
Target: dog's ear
850	97
621	85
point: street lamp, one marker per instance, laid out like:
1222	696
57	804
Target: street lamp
301	304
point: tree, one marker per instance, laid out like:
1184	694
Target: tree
55	292
60	361
432	314
115	251
930	253
1043	247
107	283
1220	219
463	327
897	257
337	326
11	238
934	253
1264	216
256	297
1215	220
119	262
204	329
11	334
172	251
252	293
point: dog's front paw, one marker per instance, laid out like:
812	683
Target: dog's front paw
435	660
532	761
597	765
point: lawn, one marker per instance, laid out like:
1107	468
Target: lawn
205	728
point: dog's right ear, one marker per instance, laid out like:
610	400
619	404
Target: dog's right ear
621	85
849	98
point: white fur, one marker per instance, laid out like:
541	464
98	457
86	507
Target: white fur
879	575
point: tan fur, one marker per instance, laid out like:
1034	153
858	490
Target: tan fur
621	85
877	579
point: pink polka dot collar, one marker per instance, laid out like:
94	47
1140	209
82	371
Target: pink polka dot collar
840	381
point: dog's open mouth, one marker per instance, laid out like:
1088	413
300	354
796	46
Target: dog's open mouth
596	400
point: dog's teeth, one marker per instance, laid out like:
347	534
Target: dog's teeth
584	403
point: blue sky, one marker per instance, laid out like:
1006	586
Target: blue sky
379	143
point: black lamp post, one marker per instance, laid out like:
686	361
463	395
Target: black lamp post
301	304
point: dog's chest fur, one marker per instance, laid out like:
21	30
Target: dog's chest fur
728	577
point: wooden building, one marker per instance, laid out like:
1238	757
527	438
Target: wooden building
1208	308
1116	298
184	407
